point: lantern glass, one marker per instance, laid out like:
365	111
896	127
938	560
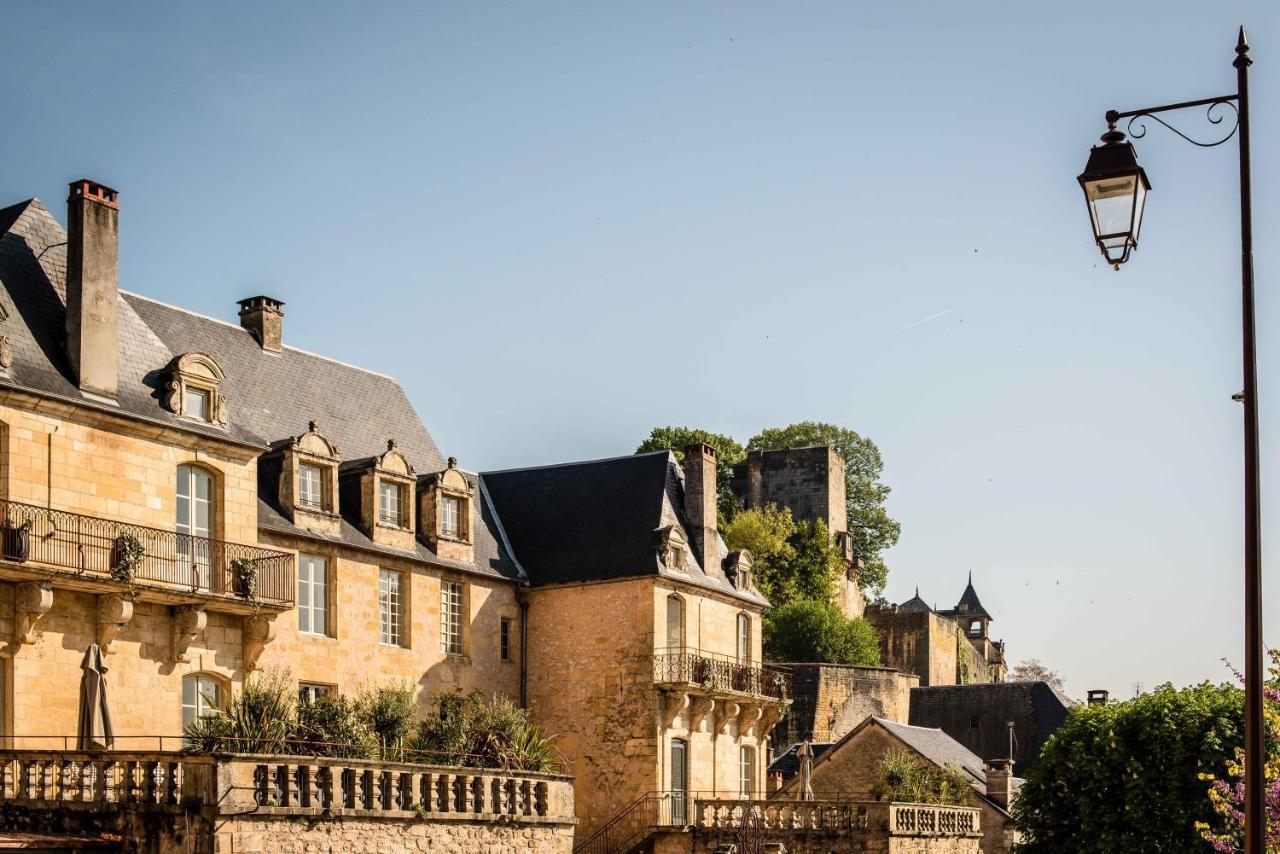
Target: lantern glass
1115	188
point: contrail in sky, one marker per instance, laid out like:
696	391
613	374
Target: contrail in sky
915	323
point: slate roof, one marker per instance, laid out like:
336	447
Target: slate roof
270	396
968	605
598	520
914	605
788	764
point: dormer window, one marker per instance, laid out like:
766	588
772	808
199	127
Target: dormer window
446	508
310	486
389	503
195	389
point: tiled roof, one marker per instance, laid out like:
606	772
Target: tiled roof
940	749
599	519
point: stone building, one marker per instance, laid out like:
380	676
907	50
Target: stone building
645	631
810	482
828	700
942	647
1010	720
851	768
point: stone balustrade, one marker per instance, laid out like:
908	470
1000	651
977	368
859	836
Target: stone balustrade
53	778
721	814
933	820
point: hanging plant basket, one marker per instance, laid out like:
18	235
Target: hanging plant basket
17	541
244	579
126	556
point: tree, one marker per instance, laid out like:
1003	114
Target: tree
765	532
728	454
1127	776
1034	670
870	526
809	630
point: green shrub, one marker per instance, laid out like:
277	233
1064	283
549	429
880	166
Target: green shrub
811	630
332	726
906	778
389	710
258	718
487	732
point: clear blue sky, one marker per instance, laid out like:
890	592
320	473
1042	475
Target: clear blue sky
562	224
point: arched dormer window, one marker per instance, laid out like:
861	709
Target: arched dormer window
446	502
194	389
672	547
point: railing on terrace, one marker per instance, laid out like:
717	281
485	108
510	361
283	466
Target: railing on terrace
643	817
279	785
684	666
825	815
932	820
88	546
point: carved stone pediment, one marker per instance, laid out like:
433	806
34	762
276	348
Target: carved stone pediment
196	372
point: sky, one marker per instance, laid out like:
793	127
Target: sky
563	224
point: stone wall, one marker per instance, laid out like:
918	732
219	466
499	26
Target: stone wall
808	481
285	835
978	716
829	700
928	645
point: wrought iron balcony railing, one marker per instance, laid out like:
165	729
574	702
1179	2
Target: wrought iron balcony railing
94	547
683	666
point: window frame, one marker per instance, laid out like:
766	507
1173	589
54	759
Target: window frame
387	487
195	679
309	692
193	539
504	639
453	618
744	639
307	605
678	601
305	469
746	772
451	503
391	608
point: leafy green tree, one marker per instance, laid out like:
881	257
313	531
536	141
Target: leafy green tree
811	630
766	532
728	454
1127	776
872	529
816	565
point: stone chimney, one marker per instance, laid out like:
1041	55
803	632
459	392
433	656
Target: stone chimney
263	318
1000	781
93	236
700	502
1099	697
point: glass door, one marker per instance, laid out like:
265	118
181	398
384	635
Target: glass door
195	527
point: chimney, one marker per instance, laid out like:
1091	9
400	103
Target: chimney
93	235
1000	781
263	317
1099	697
700	502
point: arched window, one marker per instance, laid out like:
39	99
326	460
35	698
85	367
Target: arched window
744	638
201	695
675	622
194	519
746	772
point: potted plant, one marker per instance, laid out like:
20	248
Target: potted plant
17	541
126	556
244	578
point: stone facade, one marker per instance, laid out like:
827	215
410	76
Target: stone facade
828	700
941	647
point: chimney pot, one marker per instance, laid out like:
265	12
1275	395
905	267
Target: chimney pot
1098	697
1000	781
93	287
263	318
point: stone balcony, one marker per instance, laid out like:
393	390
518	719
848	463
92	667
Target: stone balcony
56	548
203	802
700	683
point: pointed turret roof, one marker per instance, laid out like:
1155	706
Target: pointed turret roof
969	605
914	605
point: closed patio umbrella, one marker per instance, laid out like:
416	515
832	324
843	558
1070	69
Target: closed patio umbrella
94	731
805	754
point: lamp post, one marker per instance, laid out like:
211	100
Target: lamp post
1115	189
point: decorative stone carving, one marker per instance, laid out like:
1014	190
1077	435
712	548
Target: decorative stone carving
737	567
6	352
453	485
32	600
674	704
701	707
770	715
726	713
672	547
258	631
115	610
748	717
188	621
197	372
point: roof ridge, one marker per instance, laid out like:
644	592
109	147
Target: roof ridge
237	326
573	463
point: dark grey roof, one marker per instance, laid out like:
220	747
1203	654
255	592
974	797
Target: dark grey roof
968	606
978	716
914	605
598	519
788	765
940	749
270	395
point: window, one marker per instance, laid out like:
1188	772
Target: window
195	403
746	772
451	601
449	507
388	503
310	487
201	695
390	608
675	622
309	692
194	520
504	639
313	591
744	638
975	629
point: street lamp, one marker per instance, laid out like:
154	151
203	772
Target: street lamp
1115	188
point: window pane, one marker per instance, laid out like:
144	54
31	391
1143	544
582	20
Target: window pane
309	486
203	483
449	508
451	598
389	503
195	404
389	607
675	622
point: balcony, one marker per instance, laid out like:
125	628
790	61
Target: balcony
82	552
720	674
